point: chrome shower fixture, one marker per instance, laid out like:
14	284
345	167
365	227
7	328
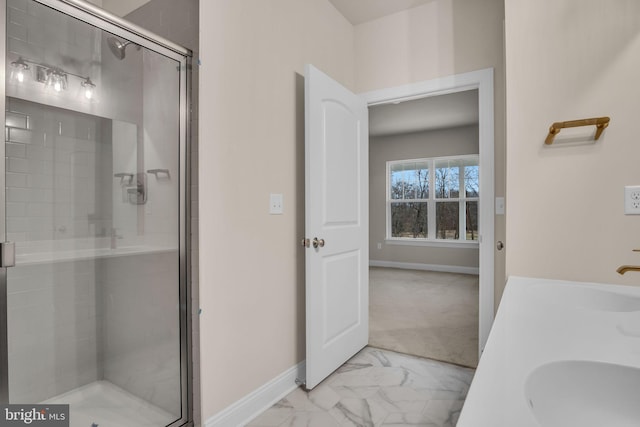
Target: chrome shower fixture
53	77
118	47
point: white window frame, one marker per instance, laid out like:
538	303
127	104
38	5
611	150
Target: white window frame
431	201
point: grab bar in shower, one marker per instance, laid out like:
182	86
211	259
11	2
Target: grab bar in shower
599	122
158	172
122	176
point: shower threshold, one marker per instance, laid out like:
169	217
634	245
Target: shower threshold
104	404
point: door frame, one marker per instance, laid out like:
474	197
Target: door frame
482	80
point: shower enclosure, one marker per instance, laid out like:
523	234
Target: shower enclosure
94	294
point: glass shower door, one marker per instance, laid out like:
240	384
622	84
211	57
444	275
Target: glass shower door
94	204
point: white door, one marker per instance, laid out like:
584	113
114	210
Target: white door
337	219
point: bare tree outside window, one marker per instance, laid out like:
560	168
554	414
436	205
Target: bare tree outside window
450	211
409	183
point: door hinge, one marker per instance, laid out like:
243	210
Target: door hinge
7	254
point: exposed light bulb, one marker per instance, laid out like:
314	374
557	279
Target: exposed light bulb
88	86
18	69
57	86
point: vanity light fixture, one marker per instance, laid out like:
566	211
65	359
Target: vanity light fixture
20	67
52	77
56	79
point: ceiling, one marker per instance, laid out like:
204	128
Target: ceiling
438	112
425	114
359	11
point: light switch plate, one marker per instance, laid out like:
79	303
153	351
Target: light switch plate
275	204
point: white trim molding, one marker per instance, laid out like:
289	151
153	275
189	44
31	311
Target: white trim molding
425	267
249	407
482	80
461	244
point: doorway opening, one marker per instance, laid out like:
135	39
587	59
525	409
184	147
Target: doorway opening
431	267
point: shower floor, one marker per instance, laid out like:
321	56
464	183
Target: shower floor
103	404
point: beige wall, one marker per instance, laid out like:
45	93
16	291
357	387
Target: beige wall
572	59
437	143
252	144
440	38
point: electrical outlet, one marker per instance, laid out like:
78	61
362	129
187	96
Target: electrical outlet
275	204
632	200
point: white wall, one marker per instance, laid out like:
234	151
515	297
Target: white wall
251	144
437	143
437	39
572	59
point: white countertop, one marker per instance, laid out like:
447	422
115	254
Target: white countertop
541	321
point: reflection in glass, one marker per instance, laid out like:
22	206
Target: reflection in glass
94	301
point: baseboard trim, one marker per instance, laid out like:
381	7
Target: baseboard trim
427	267
256	402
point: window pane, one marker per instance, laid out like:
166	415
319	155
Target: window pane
409	181
472	220
471	182
447	179
447	220
409	220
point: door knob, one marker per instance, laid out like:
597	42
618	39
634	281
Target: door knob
305	242
318	242
500	245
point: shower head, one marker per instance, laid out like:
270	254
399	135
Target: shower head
118	47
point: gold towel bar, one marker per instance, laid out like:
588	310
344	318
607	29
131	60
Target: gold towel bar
599	122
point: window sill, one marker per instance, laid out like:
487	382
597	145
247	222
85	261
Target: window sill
434	243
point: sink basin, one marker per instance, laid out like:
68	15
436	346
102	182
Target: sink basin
583	297
585	394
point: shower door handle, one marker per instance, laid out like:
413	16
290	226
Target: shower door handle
7	254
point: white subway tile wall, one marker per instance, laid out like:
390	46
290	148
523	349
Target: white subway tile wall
53	329
56	174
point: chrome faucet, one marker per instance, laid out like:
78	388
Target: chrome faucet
114	237
624	268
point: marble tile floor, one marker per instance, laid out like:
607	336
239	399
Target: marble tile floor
377	388
103	404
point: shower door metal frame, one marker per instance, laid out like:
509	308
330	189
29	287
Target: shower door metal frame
4	348
113	24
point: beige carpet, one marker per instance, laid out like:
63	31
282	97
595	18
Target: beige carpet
425	313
